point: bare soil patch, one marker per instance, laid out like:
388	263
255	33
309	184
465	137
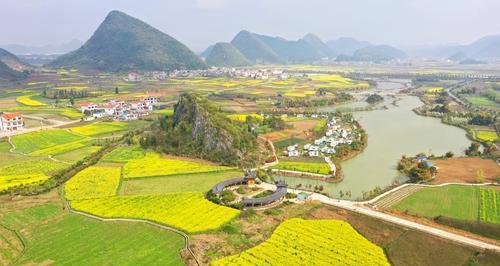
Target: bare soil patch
464	170
298	129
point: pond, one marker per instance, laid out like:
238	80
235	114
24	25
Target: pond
392	132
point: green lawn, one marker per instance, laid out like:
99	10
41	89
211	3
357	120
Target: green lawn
454	201
175	183
56	237
31	142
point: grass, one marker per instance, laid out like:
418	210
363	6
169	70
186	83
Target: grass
311	242
57	238
99	128
176	183
454	201
316	168
153	165
486	135
124	154
93	182
30	142
190	212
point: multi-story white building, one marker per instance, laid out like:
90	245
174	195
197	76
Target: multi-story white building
10	122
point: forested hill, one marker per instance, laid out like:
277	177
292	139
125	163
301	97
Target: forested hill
199	129
123	43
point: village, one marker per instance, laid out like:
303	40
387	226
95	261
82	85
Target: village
336	134
252	73
119	110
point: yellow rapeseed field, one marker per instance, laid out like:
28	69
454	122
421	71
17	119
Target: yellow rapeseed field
93	182
311	242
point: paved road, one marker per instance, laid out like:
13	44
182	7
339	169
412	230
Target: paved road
359	208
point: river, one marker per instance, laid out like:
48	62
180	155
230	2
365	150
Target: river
392	132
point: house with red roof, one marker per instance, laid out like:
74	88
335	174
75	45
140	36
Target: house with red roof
11	121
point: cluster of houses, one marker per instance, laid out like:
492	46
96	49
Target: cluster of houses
334	136
211	72
11	122
119	109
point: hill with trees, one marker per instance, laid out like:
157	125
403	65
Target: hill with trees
123	43
199	129
7	73
12	61
225	55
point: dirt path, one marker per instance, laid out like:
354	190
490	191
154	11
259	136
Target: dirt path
184	235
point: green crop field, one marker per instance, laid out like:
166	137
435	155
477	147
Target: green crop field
287	142
316	168
78	154
30	142
54	237
124	154
153	165
454	201
99	128
490	206
176	183
311	242
482	101
190	212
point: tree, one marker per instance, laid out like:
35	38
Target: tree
449	154
473	149
116	90
72	101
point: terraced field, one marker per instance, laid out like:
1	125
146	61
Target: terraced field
311	242
27	172
124	154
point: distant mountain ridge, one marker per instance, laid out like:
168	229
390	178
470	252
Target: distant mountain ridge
375	53
12	61
264	49
346	45
48	49
123	43
226	55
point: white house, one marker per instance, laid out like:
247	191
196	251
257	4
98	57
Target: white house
150	100
313	153
11	121
293	153
88	107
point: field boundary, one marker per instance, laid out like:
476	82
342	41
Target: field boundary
184	235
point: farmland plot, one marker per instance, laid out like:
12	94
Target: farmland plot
124	154
316	168
153	165
490	206
93	182
30	142
311	242
187	211
99	128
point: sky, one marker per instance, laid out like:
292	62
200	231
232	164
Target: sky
199	23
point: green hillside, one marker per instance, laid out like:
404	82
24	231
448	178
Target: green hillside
253	48
123	43
7	73
225	54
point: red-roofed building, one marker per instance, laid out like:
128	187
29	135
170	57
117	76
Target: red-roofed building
11	121
88	107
